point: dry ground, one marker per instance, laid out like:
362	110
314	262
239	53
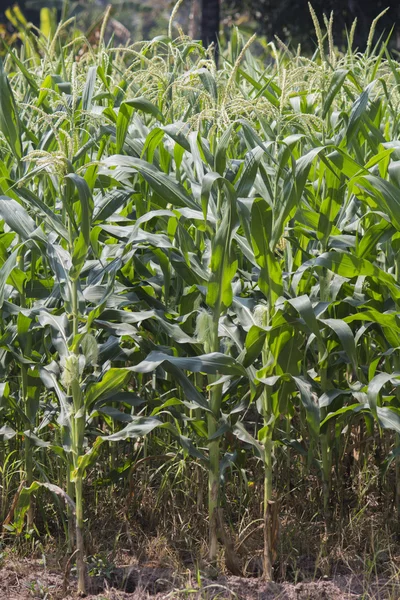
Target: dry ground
28	579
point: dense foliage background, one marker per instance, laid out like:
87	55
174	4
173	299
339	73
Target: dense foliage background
202	19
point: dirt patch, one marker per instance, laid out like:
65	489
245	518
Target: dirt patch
28	579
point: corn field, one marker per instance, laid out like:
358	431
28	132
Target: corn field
199	288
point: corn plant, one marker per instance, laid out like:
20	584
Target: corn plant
182	246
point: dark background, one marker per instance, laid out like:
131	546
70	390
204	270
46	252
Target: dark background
289	19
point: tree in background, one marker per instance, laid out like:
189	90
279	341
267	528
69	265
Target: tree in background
291	21
31	13
210	21
140	19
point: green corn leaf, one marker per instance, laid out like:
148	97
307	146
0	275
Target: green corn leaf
221	151
338	78
205	363
222	264
88	90
112	382
5	272
9	119
374	388
19	220
385	194
306	396
86	205
139	427
346	338
163	185
270	279
125	114
358	112
346	265
388	418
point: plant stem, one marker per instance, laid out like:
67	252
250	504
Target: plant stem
326	455
27	405
214	448
79	537
213	477
326	471
71	494
267	413
78	435
64	12
267	556
78	432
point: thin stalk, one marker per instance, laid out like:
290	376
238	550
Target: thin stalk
79	538
326	455
397	436
78	432
75	309
71	494
27	444
213	473
288	455
78	435
326	476
267	555
214	449
268	445
28	411
66	475
212	422
396	445
64	12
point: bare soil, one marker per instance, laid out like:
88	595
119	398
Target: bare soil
27	579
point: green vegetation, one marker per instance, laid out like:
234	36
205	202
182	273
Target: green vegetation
199	267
